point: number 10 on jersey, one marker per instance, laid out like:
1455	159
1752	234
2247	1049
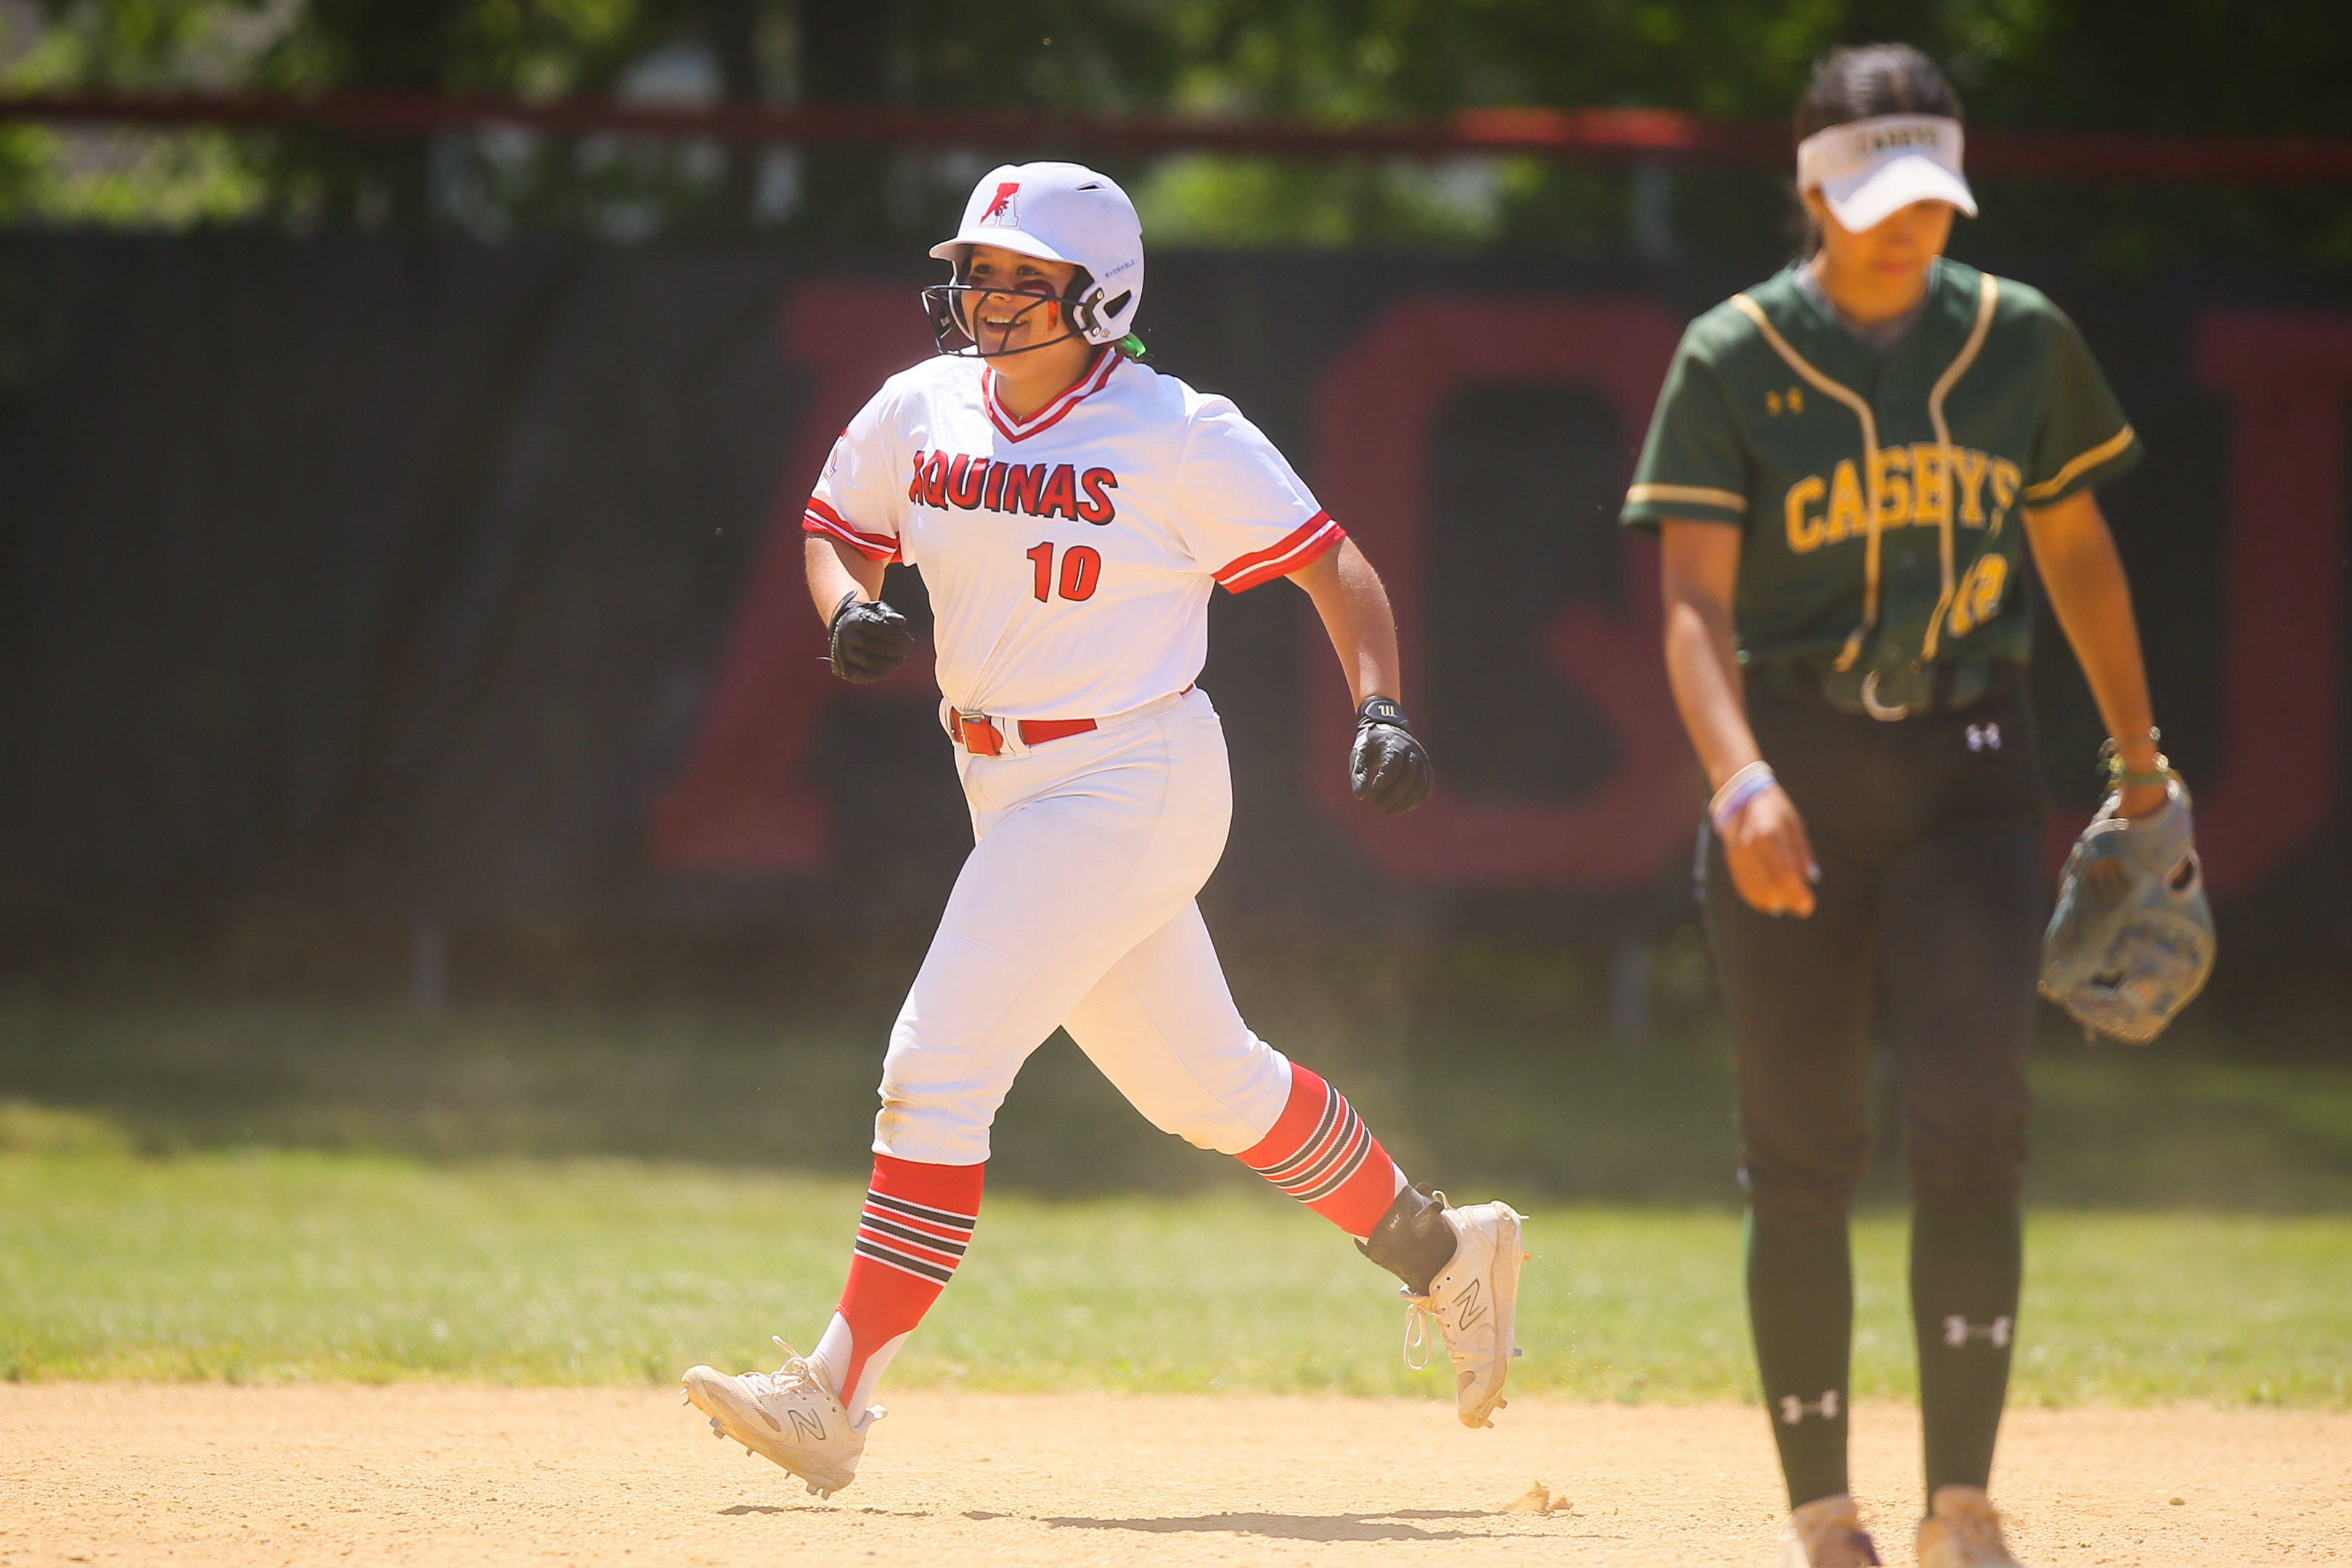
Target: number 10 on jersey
1081	570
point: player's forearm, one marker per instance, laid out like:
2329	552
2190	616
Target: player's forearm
833	569
1354	604
1703	674
2089	593
1700	569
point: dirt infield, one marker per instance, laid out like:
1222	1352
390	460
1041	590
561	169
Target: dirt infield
424	1474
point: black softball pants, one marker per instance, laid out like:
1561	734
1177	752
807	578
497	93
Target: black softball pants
1929	833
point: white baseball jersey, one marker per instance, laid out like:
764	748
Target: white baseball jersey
1068	556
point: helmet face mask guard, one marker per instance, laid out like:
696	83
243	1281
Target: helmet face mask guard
1062	213
950	307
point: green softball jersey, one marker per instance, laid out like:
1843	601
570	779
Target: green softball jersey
1877	493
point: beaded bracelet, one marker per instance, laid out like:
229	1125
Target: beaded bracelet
1738	791
2111	758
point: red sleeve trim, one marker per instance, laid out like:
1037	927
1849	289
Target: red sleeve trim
1306	543
820	518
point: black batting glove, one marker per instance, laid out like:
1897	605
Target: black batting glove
870	639
1387	765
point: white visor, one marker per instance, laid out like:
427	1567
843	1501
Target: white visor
1869	170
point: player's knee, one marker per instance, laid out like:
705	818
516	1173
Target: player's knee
1794	1204
1805	1181
1816	1188
931	1130
931	1117
1982	1169
1226	1124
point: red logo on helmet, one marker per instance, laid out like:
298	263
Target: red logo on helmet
1001	210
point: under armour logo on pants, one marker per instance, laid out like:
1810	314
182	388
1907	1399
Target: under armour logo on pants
1793	1409
1958	1331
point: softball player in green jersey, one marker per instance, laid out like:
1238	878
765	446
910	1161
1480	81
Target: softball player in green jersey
1847	465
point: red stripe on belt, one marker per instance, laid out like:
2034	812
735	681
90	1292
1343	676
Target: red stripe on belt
981	738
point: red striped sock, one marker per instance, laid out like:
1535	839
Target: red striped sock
917	1222
1321	1153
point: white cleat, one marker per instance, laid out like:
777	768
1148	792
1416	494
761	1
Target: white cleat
1826	1533
1474	1300
1963	1532
787	1415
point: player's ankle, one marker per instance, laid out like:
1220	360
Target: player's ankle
1413	1240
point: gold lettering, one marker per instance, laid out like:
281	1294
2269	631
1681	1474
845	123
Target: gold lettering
1846	518
1931	485
2005	480
1978	599
1992	575
1970	473
1888	466
1805	533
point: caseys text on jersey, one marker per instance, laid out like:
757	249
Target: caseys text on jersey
1914	486
1911	486
1029	489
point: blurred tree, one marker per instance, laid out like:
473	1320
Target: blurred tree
2186	66
2189	66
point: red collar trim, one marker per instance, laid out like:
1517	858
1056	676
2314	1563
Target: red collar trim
1045	418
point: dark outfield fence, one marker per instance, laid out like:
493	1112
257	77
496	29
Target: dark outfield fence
382	580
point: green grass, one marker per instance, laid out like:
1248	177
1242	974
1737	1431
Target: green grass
1510	1093
262	1266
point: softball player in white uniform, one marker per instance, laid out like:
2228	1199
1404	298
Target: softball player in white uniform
1070	510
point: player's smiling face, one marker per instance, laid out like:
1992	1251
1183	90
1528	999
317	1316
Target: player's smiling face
1008	317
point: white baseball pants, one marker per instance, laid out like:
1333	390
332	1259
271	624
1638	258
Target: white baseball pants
1075	909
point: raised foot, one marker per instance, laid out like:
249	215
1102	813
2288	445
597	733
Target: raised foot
1475	1302
787	1416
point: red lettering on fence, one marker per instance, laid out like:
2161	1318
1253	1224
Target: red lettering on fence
2288	377
742	803
1377	403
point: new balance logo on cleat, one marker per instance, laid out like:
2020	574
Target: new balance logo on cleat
1474	1300
757	1408
1958	1331
1471	1309
1793	1410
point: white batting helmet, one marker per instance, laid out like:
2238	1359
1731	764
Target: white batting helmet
1062	212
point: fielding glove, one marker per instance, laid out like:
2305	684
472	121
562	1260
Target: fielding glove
869	638
1387	765
2132	939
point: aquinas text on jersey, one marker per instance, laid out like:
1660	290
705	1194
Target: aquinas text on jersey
1031	489
1911	486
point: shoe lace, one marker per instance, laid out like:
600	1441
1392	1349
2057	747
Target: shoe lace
1421	1314
1418	1316
795	1376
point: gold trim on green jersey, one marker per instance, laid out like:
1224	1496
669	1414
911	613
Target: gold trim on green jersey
1847	396
2114	445
1988	291
1988	296
1697	495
